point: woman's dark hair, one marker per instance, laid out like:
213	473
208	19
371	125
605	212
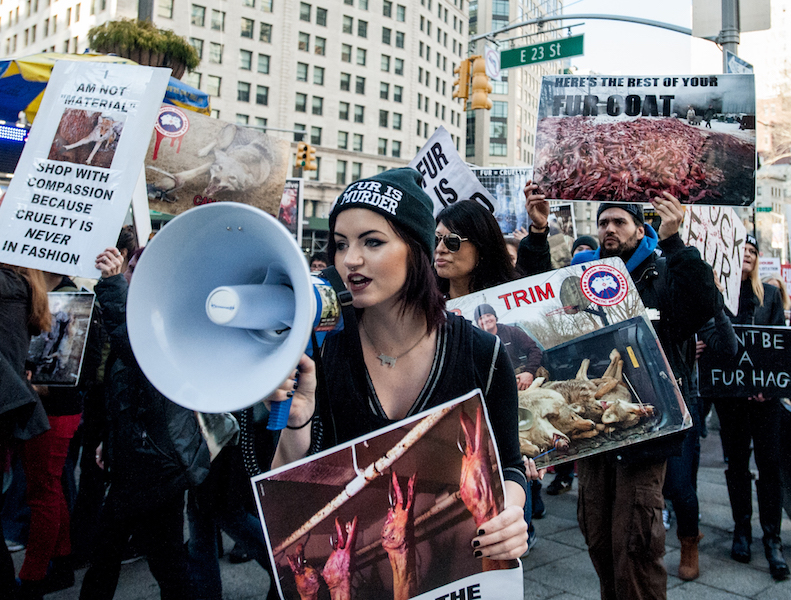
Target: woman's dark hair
420	291
127	240
472	221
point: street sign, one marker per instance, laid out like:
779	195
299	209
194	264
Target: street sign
492	56
734	64
554	50
763	209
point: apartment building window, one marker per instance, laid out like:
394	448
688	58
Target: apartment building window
164	9
346	82
260	122
245	60
396	149
242	119
359	85
320	46
357	171
385	63
359	113
399	66
361	56
304	11
363	4
266	33
247	28
348	24
54	25
362	29
397	120
382	148
193	79
213	85
248	3
301	104
383	118
387	8
267	5
68	16
318	75
315	135
343	111
215	114
401	13
303	42
243	91
263	64
215	53
399	39
398	93
299	137
349	2
343	140
217	20
346	53
384	91
65	45
321	16
386	33
318	105
198	46
340	172
302	72
357	142
262	95
46	27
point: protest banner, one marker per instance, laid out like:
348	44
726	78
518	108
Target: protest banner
73	184
193	160
761	365
604	381
397	495
768	265
507	187
446	177
615	138
719	234
57	354
292	206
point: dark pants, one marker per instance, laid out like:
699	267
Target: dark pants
680	480
744	421
159	527
620	514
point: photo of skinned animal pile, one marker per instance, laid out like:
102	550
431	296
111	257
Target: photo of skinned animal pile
565	418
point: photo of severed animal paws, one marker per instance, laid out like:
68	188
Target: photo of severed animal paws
561	413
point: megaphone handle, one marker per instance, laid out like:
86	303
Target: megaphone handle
278	415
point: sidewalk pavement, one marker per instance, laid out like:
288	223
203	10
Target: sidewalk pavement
559	566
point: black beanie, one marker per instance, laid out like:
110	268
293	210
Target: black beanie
398	196
750	239
585	240
636	210
484	309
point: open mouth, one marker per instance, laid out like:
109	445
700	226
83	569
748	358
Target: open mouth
357	282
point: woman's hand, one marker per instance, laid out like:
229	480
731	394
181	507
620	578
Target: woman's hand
537	206
758	398
504	537
531	471
300	388
519	234
110	262
669	208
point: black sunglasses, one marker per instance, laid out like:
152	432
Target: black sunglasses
452	241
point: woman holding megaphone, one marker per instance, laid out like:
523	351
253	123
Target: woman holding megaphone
405	354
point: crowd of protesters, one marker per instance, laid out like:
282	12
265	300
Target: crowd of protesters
144	462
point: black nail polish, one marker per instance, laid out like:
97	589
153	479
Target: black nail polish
475	543
481	532
478	554
289	394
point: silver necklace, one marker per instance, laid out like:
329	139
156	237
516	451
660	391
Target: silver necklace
386	360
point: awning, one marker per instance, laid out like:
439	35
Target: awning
23	80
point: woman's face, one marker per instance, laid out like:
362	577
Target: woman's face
454	265
773	283
370	257
750	259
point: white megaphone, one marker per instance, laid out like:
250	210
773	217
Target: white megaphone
221	308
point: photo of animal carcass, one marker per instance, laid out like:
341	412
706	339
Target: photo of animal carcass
203	160
87	137
605	389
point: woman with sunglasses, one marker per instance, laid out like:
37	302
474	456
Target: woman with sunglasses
404	354
471	255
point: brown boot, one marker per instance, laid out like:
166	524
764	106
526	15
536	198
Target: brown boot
688	568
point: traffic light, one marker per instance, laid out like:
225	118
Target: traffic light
480	84
462	83
310	159
302	155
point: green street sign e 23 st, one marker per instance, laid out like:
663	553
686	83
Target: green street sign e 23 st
554	50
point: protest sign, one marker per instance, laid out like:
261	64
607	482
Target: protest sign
719	234
562	233
292	206
73	184
614	138
57	354
193	160
604	382
760	366
767	265
397	495
446	177
507	187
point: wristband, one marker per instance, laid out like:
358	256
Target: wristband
305	424
539	230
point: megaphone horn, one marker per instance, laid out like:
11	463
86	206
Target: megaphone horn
221	308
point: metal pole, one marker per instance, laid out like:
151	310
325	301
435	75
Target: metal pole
729	36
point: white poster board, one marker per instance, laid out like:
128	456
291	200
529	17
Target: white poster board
446	177
719	234
75	178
